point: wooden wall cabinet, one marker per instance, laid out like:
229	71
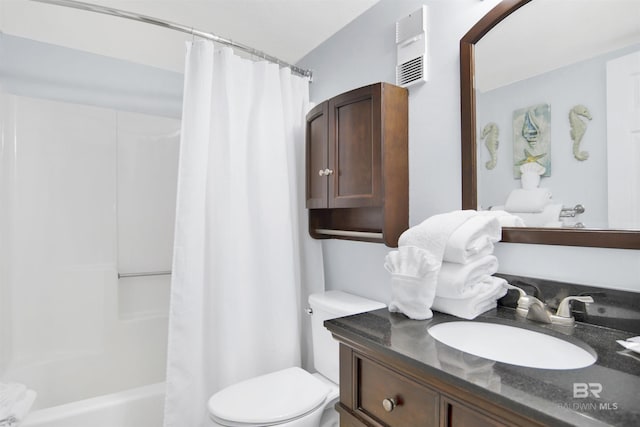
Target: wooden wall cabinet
357	178
377	391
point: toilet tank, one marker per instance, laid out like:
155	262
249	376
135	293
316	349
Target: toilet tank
329	305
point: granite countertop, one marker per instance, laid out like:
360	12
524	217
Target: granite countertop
542	394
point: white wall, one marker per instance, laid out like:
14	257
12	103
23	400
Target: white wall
364	53
45	70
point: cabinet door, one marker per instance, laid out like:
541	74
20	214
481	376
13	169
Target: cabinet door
355	149
388	398
456	414
317	157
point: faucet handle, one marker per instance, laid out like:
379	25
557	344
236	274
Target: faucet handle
565	311
524	300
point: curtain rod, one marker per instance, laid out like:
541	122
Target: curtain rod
177	27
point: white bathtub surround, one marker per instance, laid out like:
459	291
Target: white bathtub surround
137	407
235	309
70	329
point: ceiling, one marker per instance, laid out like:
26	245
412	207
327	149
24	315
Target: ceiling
288	29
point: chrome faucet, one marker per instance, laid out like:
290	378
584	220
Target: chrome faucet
534	309
538	310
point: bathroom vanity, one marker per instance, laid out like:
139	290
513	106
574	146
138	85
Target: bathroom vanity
394	373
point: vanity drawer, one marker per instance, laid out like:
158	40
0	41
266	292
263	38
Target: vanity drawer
407	402
457	414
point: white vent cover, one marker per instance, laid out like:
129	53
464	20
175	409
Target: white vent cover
411	38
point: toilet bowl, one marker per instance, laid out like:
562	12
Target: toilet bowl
293	397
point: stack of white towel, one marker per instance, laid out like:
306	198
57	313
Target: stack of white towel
535	206
446	263
15	402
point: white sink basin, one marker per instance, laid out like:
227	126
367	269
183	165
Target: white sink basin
516	346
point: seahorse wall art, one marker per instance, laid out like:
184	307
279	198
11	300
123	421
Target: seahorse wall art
578	129
490	135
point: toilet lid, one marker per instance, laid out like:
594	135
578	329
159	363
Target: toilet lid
269	399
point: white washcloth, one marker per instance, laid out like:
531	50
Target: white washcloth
505	218
549	216
414	274
474	238
531	201
15	402
484	298
409	261
457	281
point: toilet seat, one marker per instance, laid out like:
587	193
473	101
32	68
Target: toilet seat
268	399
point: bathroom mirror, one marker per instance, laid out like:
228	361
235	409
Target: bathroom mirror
538	62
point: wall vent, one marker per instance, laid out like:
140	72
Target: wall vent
410	72
411	40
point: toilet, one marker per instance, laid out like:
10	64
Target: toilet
293	397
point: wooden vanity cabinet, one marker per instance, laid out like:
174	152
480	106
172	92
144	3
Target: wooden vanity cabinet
357	164
377	390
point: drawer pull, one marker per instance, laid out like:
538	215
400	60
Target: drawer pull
389	404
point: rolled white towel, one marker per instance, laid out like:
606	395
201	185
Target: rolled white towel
549	215
472	239
485	298
531	201
433	233
457	281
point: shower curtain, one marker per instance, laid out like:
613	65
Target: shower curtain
239	250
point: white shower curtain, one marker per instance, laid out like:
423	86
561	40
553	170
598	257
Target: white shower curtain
235	298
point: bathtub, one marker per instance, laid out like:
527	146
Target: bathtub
137	407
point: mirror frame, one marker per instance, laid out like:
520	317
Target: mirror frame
602	238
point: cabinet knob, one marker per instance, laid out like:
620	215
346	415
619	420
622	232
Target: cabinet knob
321	172
328	172
389	404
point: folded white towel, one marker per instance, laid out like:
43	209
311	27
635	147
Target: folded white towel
414	274
505	218
433	233
457	281
473	238
531	201
485	296
15	402
549	216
